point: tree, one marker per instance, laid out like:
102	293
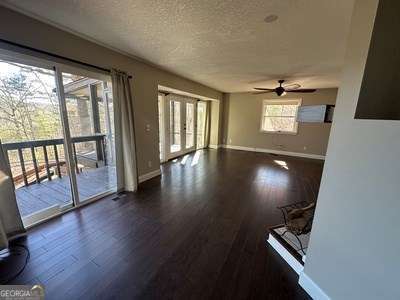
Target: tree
28	107
16	112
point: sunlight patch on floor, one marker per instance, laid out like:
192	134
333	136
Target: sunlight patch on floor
196	158
184	159
282	164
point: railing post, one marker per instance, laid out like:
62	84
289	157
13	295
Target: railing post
8	161
35	166
100	150
75	158
46	161
103	144
57	161
108	139
96	120
22	162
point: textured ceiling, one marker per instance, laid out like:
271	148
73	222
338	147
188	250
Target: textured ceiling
224	44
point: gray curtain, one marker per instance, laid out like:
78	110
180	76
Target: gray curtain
207	126
10	219
125	145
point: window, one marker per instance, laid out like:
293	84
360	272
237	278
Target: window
279	116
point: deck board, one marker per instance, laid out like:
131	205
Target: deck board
57	191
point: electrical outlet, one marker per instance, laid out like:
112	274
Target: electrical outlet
150	164
305	148
230	141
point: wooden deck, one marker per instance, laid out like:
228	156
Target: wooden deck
40	196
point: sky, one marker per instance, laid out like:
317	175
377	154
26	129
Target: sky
7	69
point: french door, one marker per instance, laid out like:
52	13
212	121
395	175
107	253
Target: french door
201	124
180	126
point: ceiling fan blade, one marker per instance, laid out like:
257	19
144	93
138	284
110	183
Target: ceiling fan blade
263	92
301	91
293	86
264	89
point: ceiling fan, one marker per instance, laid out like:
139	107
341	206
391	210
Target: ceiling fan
282	90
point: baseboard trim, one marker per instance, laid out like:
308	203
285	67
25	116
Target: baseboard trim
147	176
312	288
292	262
212	146
281	152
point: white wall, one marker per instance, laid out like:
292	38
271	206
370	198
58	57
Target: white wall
354	251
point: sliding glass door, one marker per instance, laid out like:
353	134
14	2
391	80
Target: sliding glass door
57	131
32	138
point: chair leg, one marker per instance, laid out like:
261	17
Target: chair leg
300	243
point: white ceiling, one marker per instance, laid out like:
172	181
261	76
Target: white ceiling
223	44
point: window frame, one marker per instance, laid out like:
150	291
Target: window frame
285	101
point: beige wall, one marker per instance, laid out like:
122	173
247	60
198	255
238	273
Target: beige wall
242	117
146	78
215	123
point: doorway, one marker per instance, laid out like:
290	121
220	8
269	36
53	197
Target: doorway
180	118
181	125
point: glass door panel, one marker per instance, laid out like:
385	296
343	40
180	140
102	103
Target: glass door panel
175	126
89	110
32	137
180	120
189	124
201	124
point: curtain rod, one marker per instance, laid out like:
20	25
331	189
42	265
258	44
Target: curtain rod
57	56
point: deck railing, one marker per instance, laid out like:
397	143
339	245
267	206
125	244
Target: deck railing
32	146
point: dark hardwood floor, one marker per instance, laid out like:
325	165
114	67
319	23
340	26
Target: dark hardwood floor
198	232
